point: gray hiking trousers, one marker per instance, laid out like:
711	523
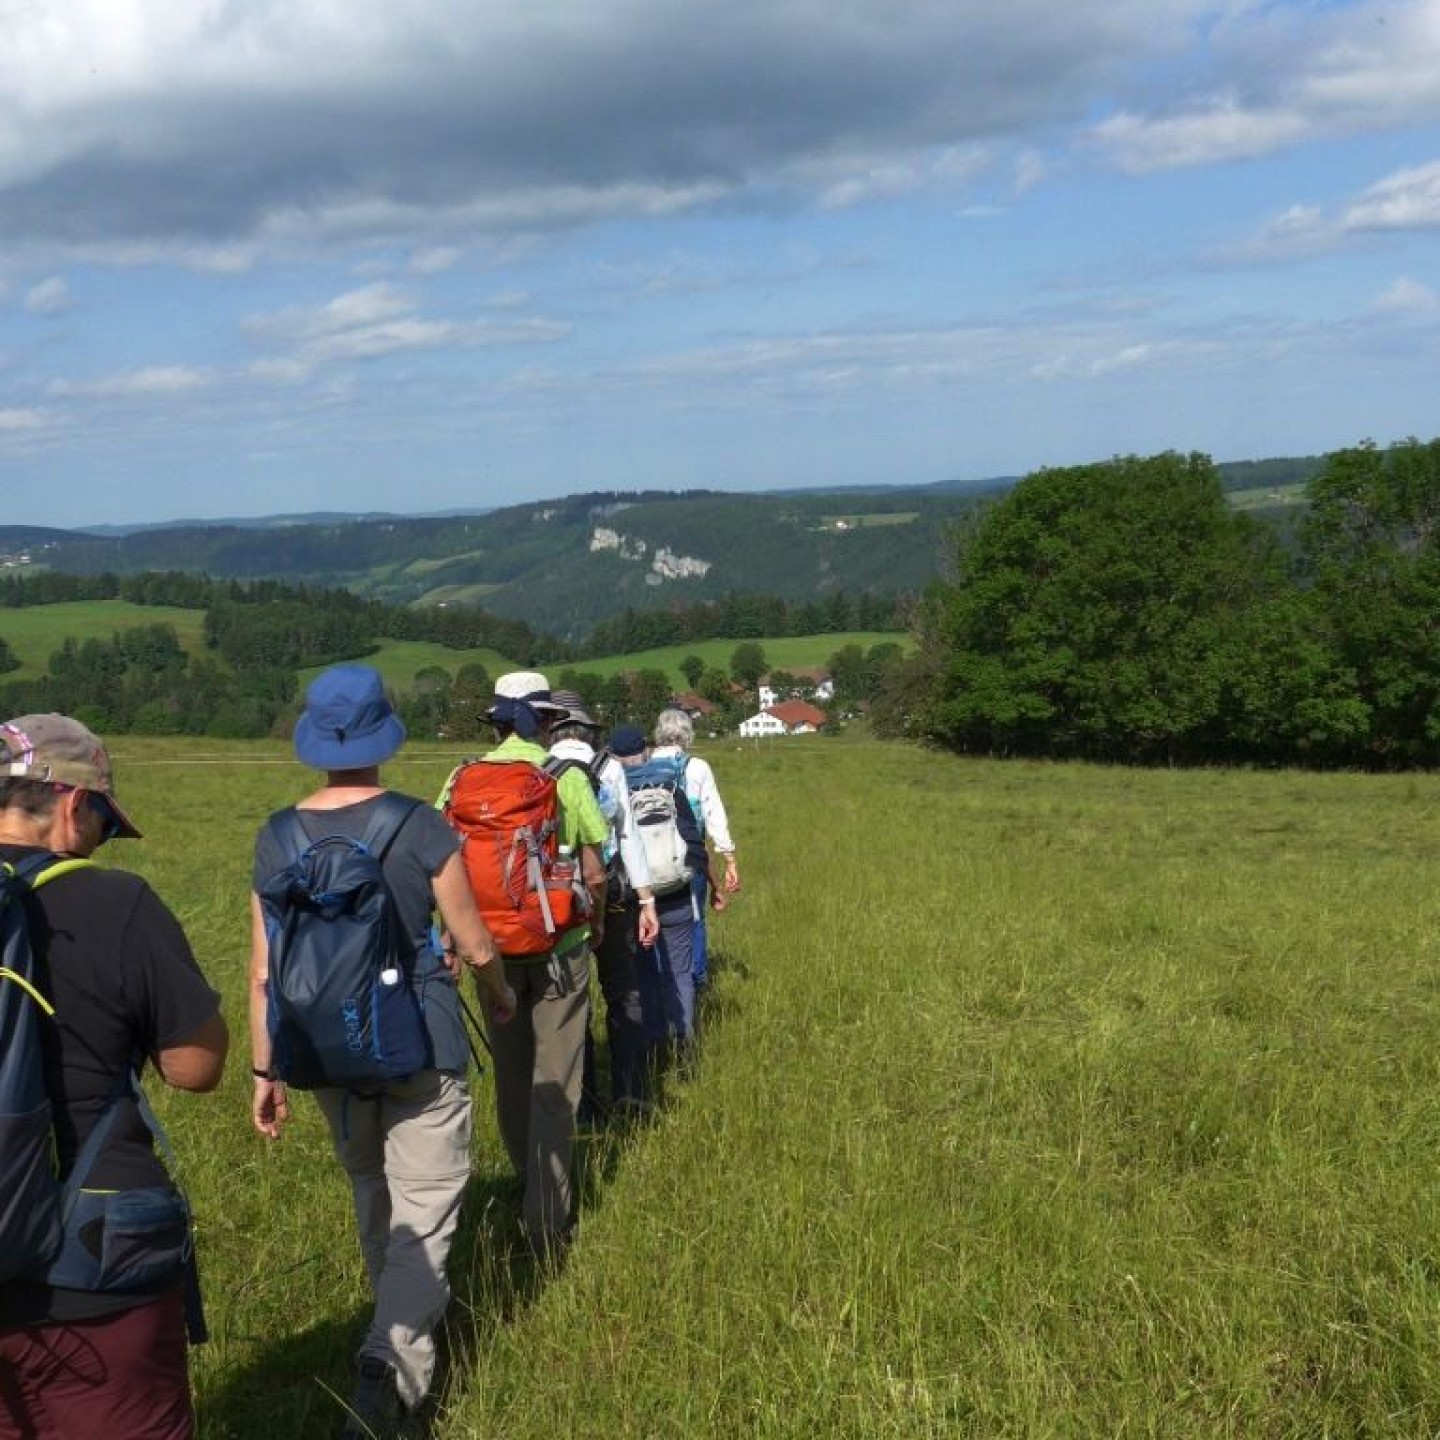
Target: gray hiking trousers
406	1149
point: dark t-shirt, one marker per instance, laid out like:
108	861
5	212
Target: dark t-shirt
116	965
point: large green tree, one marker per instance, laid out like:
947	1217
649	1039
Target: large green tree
1087	612
1372	546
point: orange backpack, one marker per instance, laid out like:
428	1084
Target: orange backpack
528	892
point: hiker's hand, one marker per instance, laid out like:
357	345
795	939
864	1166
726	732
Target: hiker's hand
718	899
649	924
269	1107
732	875
502	1004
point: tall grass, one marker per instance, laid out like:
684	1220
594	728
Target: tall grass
1034	1100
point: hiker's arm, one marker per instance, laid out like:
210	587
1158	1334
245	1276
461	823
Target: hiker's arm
717	828
198	1063
269	1106
469	942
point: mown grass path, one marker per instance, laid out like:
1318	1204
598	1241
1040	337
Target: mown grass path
1035	1101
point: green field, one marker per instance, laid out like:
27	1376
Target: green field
868	522
36	632
788	652
1266	497
400	660
1035	1100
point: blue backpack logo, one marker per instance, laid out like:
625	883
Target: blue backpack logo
342	1002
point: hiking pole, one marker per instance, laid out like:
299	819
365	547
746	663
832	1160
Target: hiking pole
479	1030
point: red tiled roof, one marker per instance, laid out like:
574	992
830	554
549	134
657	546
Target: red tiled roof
797	712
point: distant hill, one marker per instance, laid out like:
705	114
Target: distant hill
560	565
563	565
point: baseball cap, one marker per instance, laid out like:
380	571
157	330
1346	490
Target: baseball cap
627	740
58	750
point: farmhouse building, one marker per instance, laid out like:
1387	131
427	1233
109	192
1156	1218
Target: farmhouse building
697	707
812	683
790	717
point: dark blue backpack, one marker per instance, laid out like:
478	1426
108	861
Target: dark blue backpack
342	1003
58	1232
30	1198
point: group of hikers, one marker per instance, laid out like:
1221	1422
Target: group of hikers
550	854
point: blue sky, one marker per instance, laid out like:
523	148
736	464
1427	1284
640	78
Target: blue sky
274	256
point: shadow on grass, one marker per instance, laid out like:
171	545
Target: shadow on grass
290	1386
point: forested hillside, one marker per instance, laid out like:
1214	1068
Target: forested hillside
561	566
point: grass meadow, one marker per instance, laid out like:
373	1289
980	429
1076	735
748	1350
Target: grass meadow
1035	1100
36	632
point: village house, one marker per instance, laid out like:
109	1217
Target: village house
697	707
811	683
789	717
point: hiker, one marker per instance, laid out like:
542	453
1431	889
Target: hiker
674	735
674	852
404	1142
630	916
112	960
538	1059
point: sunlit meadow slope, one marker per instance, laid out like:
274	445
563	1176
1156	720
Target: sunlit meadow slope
1034	1101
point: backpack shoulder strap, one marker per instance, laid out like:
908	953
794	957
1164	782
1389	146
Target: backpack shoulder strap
290	831
43	866
387	821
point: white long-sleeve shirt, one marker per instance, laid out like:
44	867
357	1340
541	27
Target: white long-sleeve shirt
704	796
612	775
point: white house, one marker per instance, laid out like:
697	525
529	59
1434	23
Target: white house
762	724
791	717
810	683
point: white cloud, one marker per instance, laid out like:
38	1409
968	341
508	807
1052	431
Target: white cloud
1283	74
151	381
436	260
1222	131
48	297
370	323
1408	200
13	421
1408	299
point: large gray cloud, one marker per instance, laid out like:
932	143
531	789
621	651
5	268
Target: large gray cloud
242	120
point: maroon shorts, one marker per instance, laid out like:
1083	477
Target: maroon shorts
122	1377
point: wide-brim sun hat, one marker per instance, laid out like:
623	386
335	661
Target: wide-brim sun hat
574	707
348	722
528	686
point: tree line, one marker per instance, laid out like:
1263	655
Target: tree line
258	634
1125	612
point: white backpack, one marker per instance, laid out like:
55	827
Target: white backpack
655	808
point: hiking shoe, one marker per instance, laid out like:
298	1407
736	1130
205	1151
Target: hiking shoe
376	1410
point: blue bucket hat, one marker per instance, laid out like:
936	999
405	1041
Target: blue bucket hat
348	723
